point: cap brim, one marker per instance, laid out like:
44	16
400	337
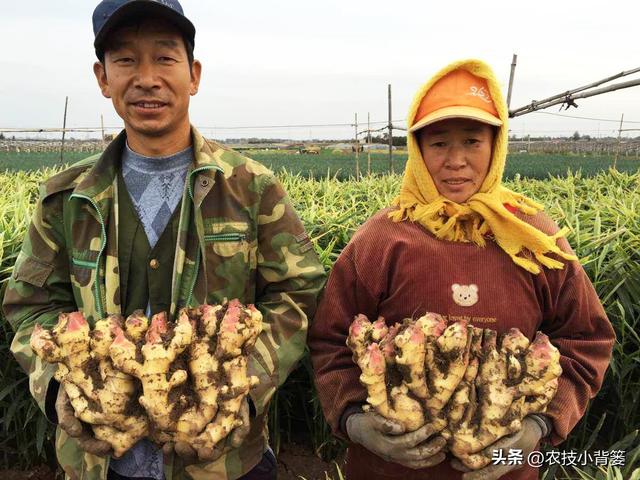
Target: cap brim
446	113
143	8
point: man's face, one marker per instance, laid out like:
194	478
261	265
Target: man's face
457	153
147	75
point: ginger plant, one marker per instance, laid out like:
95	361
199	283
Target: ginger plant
151	363
468	383
99	394
373	357
204	367
512	381
127	422
435	357
237	333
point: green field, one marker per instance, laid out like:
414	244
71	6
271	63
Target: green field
603	213
342	166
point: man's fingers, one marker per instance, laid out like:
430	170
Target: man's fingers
458	465
426	463
240	433
206	454
67	416
412	439
186	452
385	425
94	446
168	448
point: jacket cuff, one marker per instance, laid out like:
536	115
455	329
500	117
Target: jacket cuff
350	410
546	426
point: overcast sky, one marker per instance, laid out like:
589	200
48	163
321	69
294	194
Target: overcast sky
294	62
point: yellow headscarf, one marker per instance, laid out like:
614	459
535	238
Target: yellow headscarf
485	212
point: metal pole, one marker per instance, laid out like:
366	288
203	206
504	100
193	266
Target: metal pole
102	128
514	61
369	143
615	159
357	147
550	103
64	129
390	133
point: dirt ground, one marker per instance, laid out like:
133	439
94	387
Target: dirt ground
297	461
294	463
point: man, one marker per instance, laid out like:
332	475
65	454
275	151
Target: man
161	220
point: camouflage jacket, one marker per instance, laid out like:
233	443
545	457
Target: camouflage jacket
239	237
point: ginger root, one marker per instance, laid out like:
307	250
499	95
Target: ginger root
237	333
163	344
173	382
470	384
99	394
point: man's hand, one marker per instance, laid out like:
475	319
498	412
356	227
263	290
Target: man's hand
525	439
75	428
388	440
190	455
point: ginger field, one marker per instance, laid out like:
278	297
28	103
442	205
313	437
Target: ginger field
600	206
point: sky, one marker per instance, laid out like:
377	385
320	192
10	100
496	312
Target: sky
292	62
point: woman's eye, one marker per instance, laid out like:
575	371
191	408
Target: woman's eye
438	144
472	141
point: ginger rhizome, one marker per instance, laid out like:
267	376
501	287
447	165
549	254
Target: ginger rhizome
151	363
100	395
184	381
218	366
468	383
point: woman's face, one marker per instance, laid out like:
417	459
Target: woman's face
457	153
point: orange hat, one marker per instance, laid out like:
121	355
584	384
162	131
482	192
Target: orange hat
459	94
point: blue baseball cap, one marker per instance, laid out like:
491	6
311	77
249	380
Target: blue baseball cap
109	13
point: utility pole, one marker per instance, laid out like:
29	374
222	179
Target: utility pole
357	147
390	134
64	129
514	61
102	129
368	143
615	159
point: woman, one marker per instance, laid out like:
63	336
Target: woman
457	243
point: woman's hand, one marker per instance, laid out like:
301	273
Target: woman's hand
525	439
387	439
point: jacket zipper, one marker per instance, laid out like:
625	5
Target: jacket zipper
225	237
96	291
197	263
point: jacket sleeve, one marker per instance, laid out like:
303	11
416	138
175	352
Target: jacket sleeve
37	291
289	280
582	332
336	374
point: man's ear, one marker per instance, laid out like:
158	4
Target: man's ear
196	72
100	72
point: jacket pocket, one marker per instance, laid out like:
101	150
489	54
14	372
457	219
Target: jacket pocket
31	270
230	261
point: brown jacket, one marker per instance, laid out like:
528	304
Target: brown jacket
399	270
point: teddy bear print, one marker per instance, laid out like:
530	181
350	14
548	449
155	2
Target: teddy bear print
465	295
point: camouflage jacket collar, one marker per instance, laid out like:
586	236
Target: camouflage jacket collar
97	184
